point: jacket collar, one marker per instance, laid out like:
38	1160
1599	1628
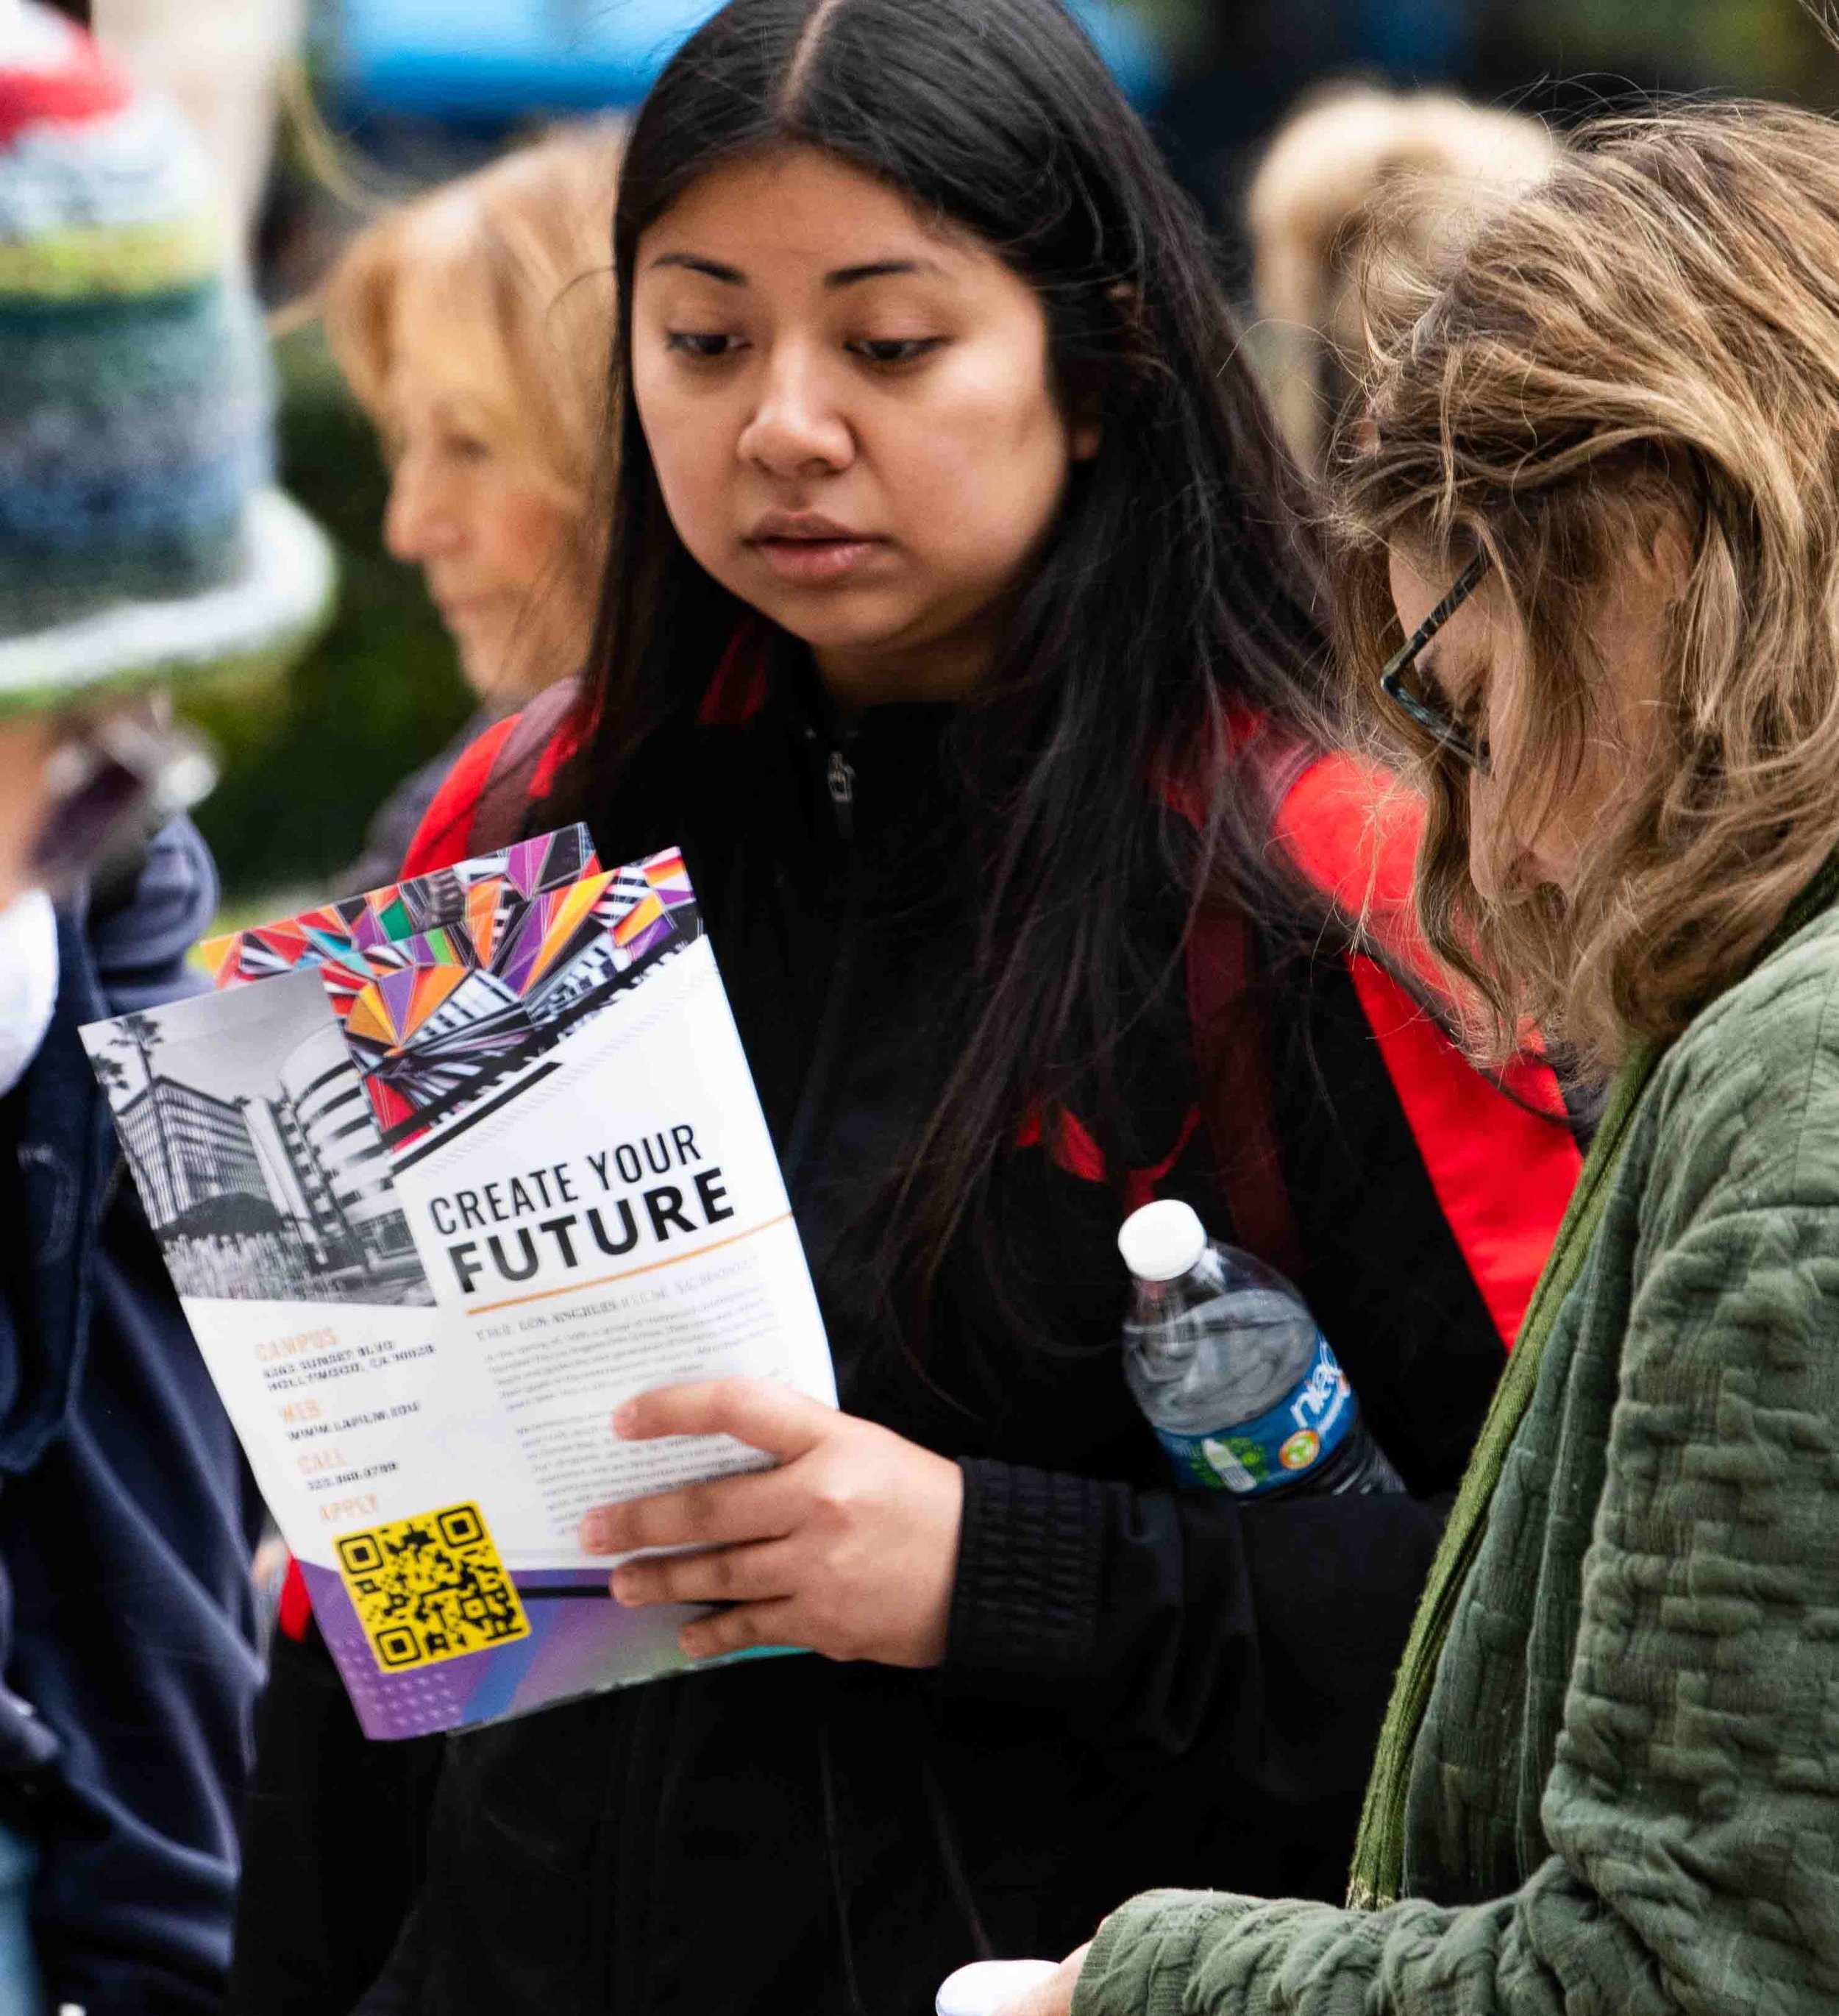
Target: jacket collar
121	950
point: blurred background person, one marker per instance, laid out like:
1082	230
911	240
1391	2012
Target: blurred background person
142	547
1355	179
473	324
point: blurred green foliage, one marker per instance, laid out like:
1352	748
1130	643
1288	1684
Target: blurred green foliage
1776	46
307	760
1781	47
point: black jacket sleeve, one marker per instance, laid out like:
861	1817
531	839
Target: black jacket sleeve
1261	1636
1167	1625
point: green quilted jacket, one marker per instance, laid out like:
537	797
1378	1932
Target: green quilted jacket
1624	1796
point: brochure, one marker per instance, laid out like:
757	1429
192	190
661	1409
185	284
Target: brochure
443	1173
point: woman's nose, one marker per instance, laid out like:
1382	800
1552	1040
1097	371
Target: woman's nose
797	427
419	521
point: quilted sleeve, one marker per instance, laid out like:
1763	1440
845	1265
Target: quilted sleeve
1691	1816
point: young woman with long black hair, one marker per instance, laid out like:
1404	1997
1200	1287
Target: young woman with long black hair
960	625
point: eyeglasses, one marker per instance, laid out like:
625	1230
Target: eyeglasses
114	778
1431	715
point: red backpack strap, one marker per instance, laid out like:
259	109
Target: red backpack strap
1231	1078
504	798
1235	1089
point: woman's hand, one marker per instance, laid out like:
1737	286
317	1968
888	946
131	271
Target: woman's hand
1054	1997
850	1547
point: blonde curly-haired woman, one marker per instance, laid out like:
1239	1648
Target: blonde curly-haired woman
1593	539
473	324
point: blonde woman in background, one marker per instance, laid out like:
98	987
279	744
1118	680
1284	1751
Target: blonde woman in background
474	326
1354	181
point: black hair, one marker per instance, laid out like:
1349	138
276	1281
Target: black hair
1177	595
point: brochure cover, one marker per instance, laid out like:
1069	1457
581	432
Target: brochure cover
443	1174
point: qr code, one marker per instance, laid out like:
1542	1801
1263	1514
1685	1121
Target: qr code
430	1587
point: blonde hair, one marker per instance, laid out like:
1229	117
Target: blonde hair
1355	176
519	257
1650	337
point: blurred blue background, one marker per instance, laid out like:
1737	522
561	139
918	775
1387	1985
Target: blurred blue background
514	59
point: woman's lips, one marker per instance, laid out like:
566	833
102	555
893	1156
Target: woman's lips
461	611
815	563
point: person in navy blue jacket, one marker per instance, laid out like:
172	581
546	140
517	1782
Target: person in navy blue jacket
140	544
126	1621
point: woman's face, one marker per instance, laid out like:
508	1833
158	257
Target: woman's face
851	416
490	536
1477	665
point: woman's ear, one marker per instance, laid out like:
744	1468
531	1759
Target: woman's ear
1085	423
1665	557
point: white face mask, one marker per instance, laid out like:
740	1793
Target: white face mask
28	982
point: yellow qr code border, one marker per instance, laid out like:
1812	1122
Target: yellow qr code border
429	1588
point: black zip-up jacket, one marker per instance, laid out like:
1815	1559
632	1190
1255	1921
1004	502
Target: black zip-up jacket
1141	1686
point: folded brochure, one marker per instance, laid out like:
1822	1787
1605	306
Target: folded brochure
443	1173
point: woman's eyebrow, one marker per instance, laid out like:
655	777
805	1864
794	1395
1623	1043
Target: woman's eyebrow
843	276
879	269
692	262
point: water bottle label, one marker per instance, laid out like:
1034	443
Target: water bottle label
1271	1449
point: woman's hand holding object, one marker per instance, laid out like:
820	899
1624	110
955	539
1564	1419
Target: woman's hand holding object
1053	1997
849	1548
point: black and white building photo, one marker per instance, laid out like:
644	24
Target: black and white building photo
248	1134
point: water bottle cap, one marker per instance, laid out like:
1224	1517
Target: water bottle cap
1162	1240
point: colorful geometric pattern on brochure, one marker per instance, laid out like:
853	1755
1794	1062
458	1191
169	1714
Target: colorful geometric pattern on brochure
438	1021
485	894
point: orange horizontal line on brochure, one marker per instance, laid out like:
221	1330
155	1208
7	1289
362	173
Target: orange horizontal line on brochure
631	1273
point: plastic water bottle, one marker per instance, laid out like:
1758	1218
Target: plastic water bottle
1232	1371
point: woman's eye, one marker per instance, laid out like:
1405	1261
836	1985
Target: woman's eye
707	347
468	447
896	350
1464	710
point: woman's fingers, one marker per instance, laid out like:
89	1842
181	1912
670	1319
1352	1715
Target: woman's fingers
758	1411
866	1524
744	1628
1053	1997
726	1574
756	1505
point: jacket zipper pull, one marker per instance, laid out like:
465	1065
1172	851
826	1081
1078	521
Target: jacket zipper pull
842	783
